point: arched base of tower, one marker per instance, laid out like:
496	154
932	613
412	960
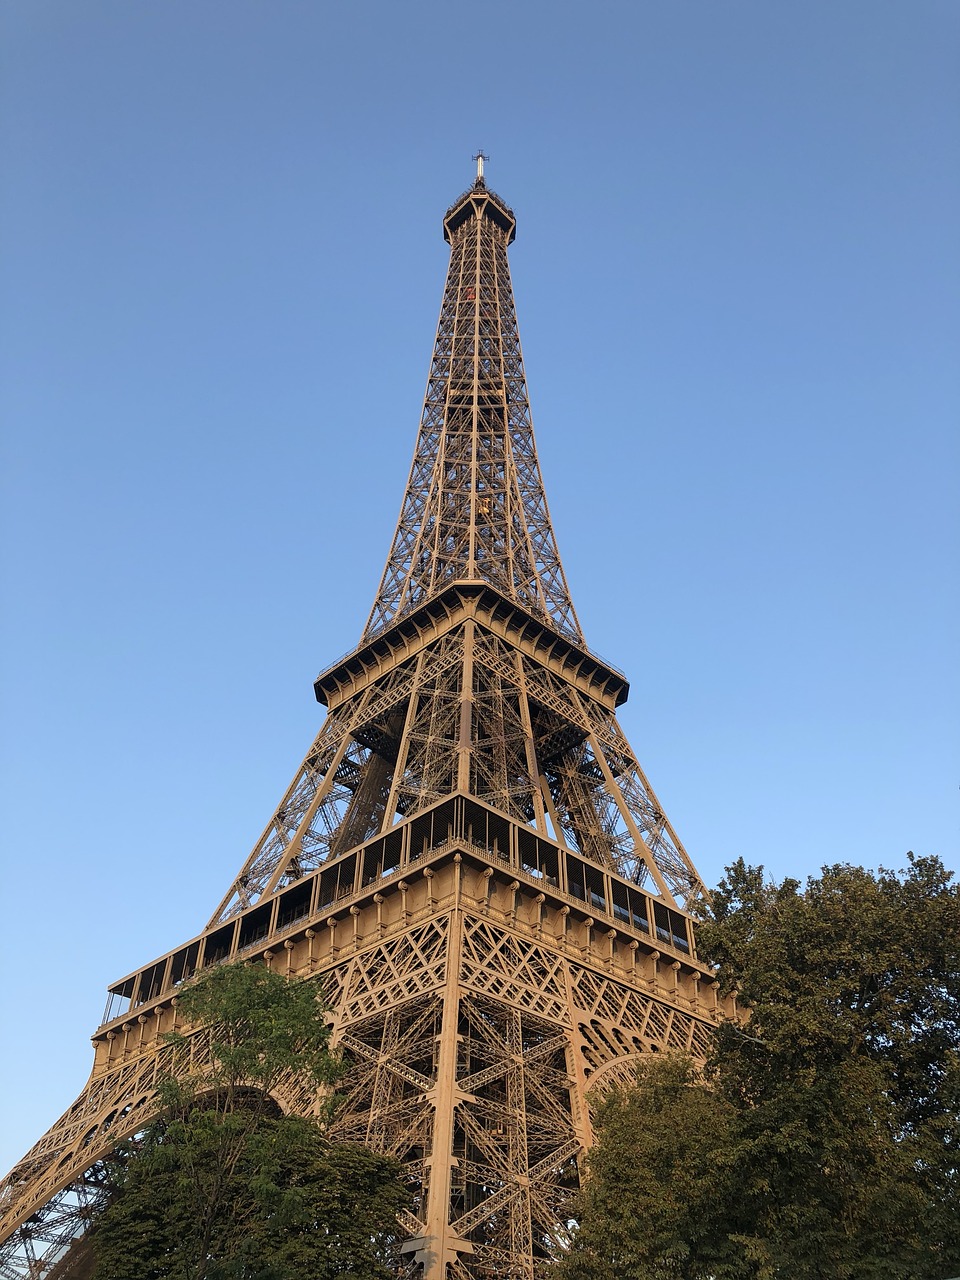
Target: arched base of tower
477	999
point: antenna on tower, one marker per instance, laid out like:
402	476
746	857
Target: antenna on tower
480	157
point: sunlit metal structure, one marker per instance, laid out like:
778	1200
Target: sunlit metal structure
469	863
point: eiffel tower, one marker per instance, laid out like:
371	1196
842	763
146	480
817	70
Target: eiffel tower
469	863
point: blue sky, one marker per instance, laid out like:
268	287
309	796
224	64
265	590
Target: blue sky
737	277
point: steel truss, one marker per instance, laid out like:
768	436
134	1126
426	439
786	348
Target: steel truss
475	506
471	712
476	1002
469	864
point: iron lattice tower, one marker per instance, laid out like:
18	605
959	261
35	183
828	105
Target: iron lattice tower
469	863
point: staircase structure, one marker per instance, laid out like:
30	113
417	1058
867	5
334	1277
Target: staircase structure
469	863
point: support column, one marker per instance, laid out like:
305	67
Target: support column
439	1245
533	768
465	739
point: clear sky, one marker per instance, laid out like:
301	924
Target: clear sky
737	275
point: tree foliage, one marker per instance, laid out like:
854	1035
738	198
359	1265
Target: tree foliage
822	1143
262	1028
223	1186
649	1207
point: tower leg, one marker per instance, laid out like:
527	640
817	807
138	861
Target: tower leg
441	1245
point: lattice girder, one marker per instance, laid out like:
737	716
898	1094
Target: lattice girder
475	506
545	991
471	712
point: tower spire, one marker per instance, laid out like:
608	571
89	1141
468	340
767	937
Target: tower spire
475	507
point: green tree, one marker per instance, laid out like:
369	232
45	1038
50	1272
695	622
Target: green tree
651	1205
835	1141
223	1186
